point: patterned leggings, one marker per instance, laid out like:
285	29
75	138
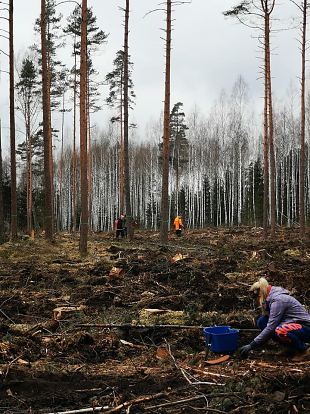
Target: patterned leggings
293	335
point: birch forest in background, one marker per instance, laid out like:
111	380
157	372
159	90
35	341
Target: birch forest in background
220	173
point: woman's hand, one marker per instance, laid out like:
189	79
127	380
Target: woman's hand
244	350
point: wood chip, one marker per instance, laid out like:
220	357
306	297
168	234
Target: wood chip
130	344
60	312
21	361
156	311
178	257
116	272
162	353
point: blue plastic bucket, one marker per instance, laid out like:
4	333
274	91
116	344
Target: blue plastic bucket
221	338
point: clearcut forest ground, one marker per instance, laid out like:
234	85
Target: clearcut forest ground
50	362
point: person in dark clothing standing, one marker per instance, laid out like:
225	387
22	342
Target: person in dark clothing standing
125	226
119	227
284	320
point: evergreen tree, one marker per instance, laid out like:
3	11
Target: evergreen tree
27	89
178	145
95	38
178	142
30	197
115	80
54	42
254	194
37	153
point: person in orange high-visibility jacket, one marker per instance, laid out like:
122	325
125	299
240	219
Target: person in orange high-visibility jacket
178	225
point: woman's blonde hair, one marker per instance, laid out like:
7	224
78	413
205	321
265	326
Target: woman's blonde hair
262	287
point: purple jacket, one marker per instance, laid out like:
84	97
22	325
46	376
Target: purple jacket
283	309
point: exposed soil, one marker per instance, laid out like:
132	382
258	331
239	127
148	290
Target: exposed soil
50	365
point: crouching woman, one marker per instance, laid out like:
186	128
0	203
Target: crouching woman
284	319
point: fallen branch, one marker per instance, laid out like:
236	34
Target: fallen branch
7	317
186	375
83	410
136	401
203	372
238	409
129	326
186	400
9	365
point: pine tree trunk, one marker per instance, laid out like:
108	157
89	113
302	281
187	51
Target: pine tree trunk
121	154
302	125
126	128
266	138
29	175
271	135
48	207
60	218
83	133
12	125
1	192
27	181
89	156
73	205
165	157
50	136
28	165
253	195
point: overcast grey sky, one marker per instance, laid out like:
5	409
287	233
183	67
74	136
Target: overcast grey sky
209	52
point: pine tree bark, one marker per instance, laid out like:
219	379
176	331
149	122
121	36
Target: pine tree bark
1	193
83	133
12	124
266	117
271	131
48	207
29	175
50	136
73	178
89	154
121	154
126	128
165	163
302	124
60	209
